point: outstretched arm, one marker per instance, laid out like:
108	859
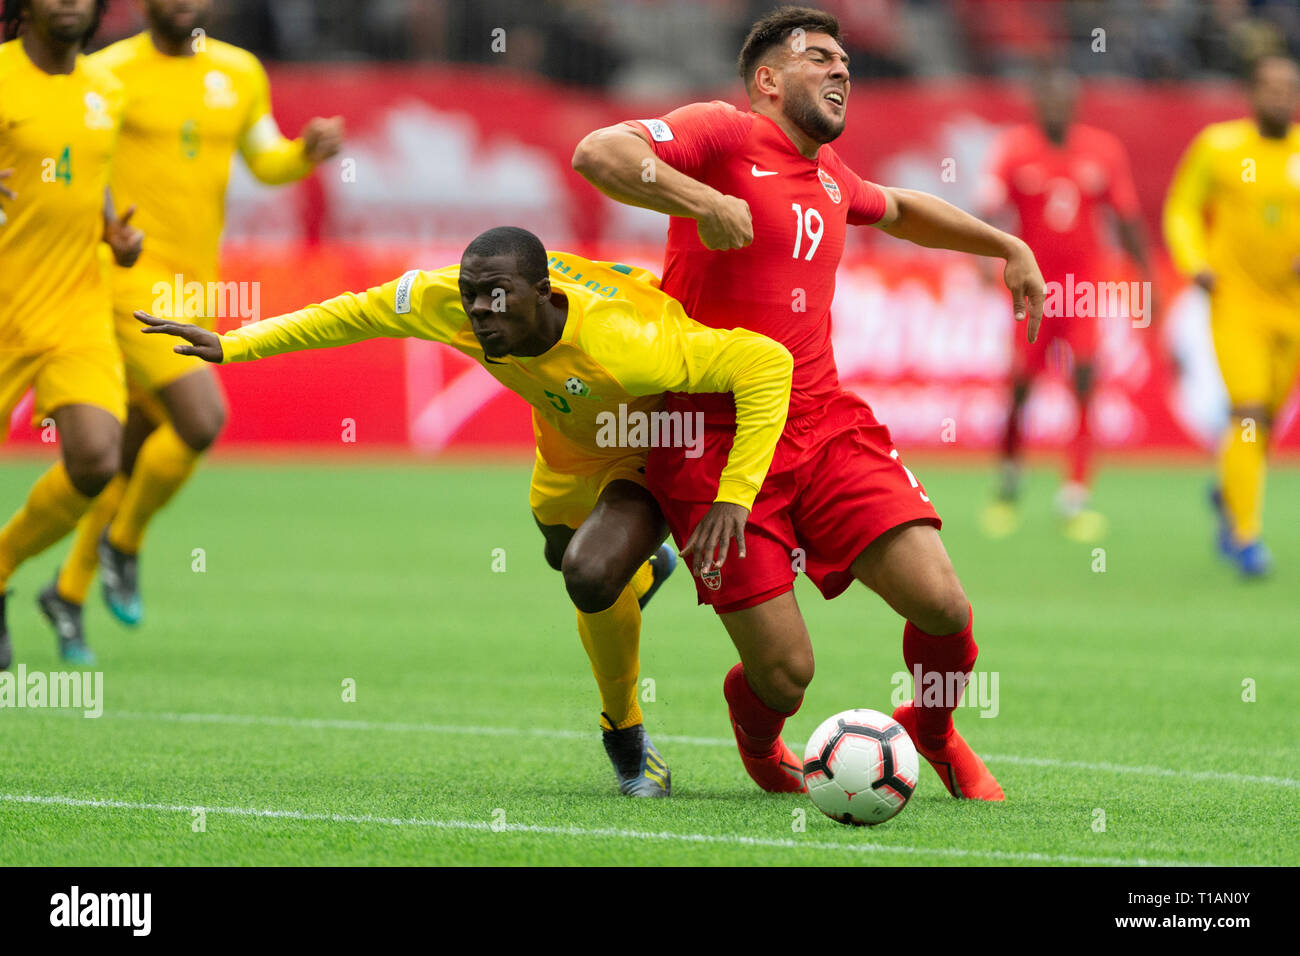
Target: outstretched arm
203	344
418	305
930	221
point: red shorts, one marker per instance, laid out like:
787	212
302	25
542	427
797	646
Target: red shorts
1063	344
835	485
1067	339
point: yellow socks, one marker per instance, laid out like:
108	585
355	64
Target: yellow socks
79	568
51	510
163	465
642	580
1241	471
612	639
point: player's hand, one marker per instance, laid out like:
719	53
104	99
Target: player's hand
711	539
1027	288
1295	263
124	239
1205	279
206	345
727	224
322	138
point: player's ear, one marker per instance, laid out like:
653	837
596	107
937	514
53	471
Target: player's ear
765	81
543	287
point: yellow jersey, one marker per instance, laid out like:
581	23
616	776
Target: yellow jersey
57	132
185	118
624	343
1234	208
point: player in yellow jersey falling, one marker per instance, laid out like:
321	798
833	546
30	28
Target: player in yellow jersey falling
592	347
59	120
1232	222
191	102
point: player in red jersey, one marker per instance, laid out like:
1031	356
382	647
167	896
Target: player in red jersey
759	206
1060	177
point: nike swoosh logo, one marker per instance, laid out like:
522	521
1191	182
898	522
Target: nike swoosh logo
762	172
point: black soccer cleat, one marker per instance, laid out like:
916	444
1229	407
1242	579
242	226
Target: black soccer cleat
6	646
640	770
65	618
662	563
119	577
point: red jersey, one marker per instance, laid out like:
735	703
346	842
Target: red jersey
1059	193
782	284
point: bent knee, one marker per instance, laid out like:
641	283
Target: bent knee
781	684
92	466
554	555
590	582
945	610
200	429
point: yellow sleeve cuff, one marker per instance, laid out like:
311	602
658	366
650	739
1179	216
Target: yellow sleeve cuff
737	491
233	349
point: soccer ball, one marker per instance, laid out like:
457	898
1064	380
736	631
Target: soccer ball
860	767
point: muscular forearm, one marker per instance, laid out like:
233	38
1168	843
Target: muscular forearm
930	221
620	164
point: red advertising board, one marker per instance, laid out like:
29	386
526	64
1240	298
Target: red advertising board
434	155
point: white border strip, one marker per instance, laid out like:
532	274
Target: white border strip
310	723
479	826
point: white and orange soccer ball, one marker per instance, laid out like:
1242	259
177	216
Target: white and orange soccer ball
860	767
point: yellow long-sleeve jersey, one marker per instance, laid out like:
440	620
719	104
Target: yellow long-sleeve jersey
1234	208
185	118
624	343
57	133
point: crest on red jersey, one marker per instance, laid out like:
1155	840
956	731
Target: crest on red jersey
832	188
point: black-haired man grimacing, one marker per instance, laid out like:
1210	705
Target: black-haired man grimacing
760	204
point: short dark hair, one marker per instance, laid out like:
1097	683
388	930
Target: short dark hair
775	28
528	252
11	19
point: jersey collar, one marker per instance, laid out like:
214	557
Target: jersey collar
786	143
31	65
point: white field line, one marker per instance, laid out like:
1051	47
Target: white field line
1209	776
480	826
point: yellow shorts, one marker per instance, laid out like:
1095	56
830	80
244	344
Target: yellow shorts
150	362
79	373
560	498
1258	351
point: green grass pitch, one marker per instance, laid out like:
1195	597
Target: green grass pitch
472	737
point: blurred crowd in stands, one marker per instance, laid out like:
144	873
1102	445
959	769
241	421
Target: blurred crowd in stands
661	46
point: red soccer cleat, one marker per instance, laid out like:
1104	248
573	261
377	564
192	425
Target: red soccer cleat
959	767
778	771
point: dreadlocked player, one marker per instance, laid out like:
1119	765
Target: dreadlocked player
59	120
